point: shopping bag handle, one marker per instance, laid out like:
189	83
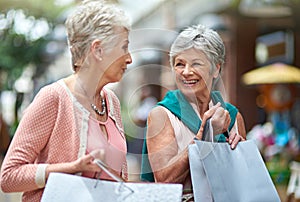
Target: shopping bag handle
217	97
106	169
122	186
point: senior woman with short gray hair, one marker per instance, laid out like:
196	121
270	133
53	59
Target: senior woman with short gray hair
76	119
196	56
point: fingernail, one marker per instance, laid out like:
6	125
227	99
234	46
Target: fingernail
230	141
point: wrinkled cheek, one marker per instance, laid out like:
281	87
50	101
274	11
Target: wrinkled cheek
177	78
206	79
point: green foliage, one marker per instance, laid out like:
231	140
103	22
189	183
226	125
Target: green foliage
16	53
18	49
49	9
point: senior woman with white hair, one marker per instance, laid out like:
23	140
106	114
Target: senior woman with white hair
196	56
72	120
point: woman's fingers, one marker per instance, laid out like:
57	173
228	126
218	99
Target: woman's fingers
86	159
208	114
220	120
98	154
234	139
86	163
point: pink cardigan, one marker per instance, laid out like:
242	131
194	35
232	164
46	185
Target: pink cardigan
52	130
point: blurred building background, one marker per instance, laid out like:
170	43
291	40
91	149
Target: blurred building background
258	34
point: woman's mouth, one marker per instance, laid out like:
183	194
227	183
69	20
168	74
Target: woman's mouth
124	69
190	82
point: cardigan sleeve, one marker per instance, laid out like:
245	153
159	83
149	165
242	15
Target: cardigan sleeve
20	171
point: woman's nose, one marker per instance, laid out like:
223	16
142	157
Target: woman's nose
187	69
128	59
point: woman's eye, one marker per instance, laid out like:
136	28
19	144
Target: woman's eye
196	64
179	64
125	48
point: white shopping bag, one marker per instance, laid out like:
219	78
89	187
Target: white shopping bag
65	187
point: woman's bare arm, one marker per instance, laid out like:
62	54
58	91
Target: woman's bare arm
167	164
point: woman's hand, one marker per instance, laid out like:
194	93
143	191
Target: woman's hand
86	163
234	139
220	120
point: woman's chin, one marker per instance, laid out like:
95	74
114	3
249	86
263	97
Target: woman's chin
188	92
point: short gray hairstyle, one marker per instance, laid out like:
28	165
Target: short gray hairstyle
93	19
200	38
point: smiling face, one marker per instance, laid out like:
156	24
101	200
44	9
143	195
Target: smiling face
117	57
194	72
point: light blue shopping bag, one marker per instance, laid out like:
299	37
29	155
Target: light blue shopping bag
221	174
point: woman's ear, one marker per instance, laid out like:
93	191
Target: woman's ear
96	49
216	72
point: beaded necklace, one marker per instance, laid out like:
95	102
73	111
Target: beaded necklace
94	107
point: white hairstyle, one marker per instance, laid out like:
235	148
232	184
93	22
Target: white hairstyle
200	38
93	19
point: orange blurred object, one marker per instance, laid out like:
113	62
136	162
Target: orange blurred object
277	97
276	83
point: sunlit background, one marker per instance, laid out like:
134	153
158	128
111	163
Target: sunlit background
261	75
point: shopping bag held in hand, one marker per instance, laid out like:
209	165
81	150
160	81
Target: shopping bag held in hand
221	174
65	187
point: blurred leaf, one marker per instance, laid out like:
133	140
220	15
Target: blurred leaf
48	9
19	49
